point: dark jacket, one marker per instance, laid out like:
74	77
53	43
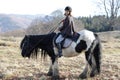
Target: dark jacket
67	30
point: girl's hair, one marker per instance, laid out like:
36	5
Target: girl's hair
69	13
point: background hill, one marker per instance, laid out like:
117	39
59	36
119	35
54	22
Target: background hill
9	22
15	22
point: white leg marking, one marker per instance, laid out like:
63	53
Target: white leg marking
86	68
55	68
50	69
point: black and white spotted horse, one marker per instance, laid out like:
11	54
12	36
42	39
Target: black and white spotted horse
87	42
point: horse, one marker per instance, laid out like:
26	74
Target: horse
88	42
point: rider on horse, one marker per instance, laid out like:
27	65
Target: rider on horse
66	30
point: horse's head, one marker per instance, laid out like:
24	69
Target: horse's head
25	47
31	44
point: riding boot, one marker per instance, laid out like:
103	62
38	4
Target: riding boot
59	49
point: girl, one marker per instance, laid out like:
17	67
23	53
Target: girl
66	30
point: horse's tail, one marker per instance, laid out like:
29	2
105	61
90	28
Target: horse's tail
97	53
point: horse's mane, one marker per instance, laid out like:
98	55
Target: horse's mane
39	43
44	45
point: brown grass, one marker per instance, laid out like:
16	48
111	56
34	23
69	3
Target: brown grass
14	67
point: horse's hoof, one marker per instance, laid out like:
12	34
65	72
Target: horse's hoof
93	73
49	73
55	78
82	76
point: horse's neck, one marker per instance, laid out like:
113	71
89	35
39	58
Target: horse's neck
41	39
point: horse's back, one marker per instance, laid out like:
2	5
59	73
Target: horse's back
87	35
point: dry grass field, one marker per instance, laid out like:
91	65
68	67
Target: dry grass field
14	67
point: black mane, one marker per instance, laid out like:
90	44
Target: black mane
31	44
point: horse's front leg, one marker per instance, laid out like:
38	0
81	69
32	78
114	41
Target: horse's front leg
50	72
55	70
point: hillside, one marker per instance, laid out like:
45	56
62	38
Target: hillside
14	67
12	22
9	22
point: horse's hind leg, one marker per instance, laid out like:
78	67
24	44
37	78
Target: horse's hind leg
90	62
83	75
96	61
95	58
93	67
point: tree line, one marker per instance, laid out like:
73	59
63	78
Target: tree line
96	24
100	23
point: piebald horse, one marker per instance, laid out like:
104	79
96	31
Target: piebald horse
88	42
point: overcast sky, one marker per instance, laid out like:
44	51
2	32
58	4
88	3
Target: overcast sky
80	7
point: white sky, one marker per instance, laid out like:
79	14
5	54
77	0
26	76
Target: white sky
79	7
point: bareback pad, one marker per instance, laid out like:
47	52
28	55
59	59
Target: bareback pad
67	41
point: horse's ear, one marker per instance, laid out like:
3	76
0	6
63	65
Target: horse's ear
26	36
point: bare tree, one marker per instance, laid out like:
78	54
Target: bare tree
44	26
50	23
111	8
